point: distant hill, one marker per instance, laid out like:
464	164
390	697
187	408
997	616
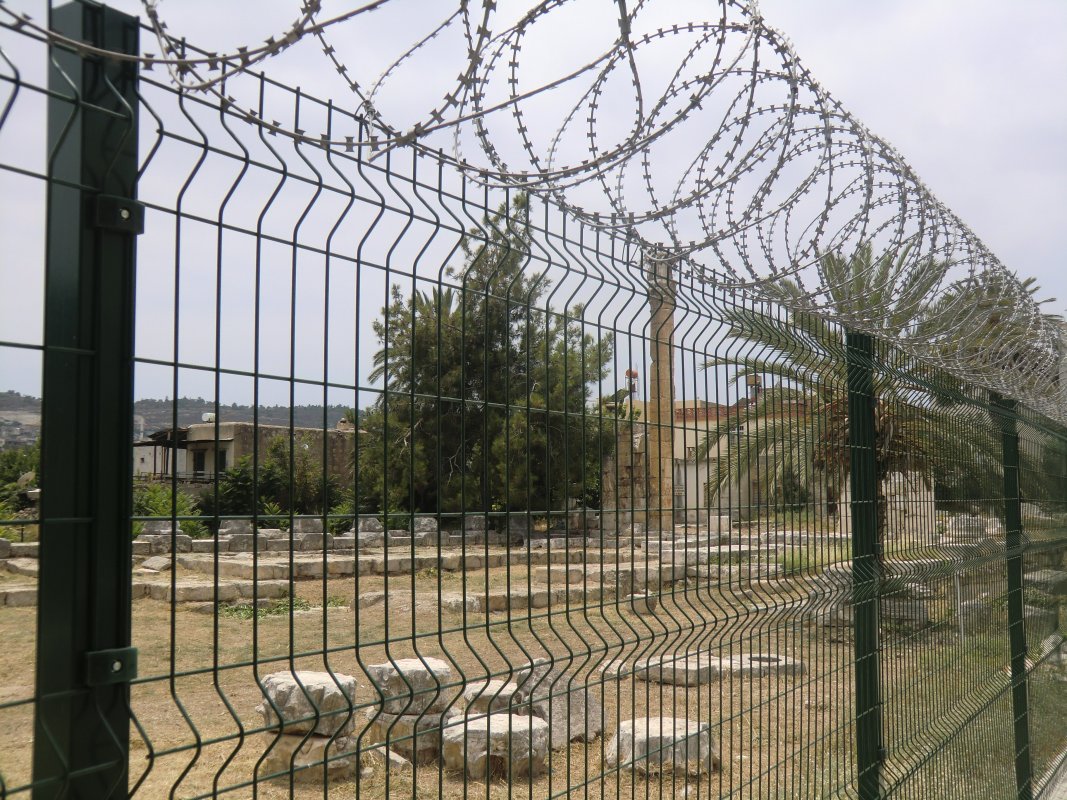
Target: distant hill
159	414
24	411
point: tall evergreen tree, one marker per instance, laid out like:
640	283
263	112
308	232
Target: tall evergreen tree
487	389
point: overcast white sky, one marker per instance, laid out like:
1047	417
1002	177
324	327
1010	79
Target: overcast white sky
973	93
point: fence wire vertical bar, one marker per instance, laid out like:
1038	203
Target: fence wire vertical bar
866	561
1013	546
81	739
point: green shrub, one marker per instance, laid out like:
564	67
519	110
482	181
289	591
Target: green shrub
157	500
272	515
344	515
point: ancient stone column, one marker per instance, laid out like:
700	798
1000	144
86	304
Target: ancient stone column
660	448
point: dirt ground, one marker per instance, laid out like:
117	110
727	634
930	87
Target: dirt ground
199	734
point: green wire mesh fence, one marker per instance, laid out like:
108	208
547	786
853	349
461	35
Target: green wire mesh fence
359	478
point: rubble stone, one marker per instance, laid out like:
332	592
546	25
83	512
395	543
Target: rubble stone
499	744
487	696
570	708
323	706
370	525
413	685
304	755
654	744
416	737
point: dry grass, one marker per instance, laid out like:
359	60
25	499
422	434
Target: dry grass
778	736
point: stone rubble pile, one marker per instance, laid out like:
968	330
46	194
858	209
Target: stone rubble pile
311	714
663	744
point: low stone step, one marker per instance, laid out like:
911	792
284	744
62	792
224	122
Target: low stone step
18	596
187	591
21	566
702	667
538	597
25	549
717	555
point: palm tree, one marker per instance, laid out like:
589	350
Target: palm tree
798	432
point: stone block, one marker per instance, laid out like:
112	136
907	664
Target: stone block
160	543
271	589
231	526
693	669
28	567
305	756
474	523
483	697
413	685
415	736
456	603
758	665
160	527
157	563
203	545
370	539
1050	581
19	596
383	758
193	592
243	542
5	548
344	542
571	573
571	710
642	603
663	744
315	541
272	534
370	525
142	548
424	525
504	745
307	525
425	538
309	702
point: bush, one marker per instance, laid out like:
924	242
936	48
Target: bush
272	515
157	500
343	516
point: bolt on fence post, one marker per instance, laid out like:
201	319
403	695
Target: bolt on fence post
82	719
866	562
1013	548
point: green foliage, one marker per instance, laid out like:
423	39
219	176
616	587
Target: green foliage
19	470
487	389
281	607
797	433
276	495
292	478
1032	596
18	461
157	500
343	514
272	515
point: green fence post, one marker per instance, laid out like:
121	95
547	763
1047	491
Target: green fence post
84	659
866	562
1013	528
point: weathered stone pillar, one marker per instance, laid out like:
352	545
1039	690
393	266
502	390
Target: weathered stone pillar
661	300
